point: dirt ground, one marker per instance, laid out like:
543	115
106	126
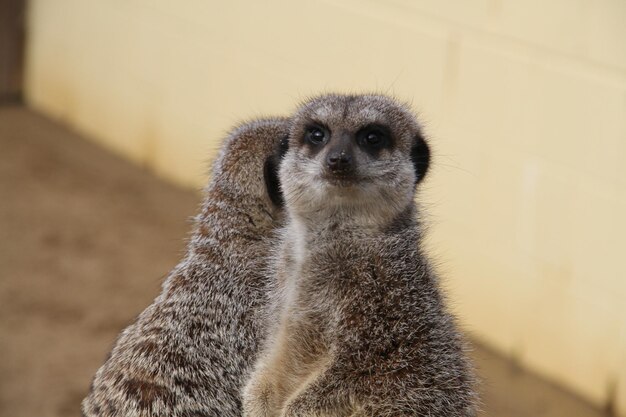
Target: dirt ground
85	240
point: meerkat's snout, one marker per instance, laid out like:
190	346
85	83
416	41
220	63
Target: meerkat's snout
339	158
339	162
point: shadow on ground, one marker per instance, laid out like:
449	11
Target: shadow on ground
85	241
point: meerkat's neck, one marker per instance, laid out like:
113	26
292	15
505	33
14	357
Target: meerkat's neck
329	222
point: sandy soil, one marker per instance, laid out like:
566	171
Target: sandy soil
85	240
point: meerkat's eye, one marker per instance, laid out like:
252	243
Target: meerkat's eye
373	138
315	135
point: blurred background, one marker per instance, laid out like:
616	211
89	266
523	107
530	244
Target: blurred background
112	109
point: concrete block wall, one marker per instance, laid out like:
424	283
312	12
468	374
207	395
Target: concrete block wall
524	101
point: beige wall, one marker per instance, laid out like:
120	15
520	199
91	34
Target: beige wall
525	102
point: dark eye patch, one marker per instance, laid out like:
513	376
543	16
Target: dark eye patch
315	136
372	138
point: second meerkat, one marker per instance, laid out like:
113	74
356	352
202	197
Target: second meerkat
361	327
190	352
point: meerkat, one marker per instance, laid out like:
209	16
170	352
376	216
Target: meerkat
189	353
361	327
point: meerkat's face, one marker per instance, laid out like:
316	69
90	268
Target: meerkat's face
353	152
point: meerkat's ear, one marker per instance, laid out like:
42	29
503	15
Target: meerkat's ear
420	155
270	173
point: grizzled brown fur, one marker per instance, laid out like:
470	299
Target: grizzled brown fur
359	326
189	353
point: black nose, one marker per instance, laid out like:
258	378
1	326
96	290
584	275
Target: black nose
339	162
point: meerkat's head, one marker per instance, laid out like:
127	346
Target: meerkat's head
357	154
246	169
